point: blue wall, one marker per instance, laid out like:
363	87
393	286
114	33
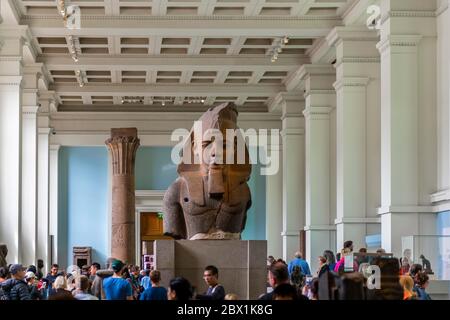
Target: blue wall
83	201
83	196
443	223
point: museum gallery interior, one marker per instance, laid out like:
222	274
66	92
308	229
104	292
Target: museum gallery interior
345	107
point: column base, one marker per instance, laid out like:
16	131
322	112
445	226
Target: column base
318	239
398	222
291	244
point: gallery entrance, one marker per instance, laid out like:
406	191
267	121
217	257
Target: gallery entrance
151	229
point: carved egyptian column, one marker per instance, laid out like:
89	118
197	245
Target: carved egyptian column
122	146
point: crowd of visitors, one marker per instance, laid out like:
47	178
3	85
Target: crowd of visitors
335	278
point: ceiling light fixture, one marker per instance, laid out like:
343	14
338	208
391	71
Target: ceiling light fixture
277	47
81	77
74	47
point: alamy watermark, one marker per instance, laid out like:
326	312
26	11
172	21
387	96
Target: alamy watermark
212	148
374	19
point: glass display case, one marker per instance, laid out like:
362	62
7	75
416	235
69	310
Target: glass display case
431	251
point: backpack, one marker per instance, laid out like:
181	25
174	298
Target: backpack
297	276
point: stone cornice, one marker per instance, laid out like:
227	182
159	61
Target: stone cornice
339	34
357	60
294	80
320	227
292	132
351	82
408	14
362	220
26	18
399	41
405	209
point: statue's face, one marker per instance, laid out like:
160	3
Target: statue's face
213	146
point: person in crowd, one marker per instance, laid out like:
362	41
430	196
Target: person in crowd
4	274
116	287
298	261
407	284
134	281
95	280
323	266
362	256
85	270
314	289
415	269
82	288
278	274
40	266
179	289
15	288
421	283
145	280
285	291
155	291
390	288
231	296
297	277
3	254
32	283
53	274
270	260
340	265
215	290
60	290
331	260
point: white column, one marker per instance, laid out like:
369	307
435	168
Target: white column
10	140
53	198
29	185
357	112
408	145
293	141
43	196
320	99
274	209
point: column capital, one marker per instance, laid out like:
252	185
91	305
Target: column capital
339	34
320	227
6	81
123	145
399	42
55	147
305	71
317	113
350	220
282	98
29	111
44	131
356	82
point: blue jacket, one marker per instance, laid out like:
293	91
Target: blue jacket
302	264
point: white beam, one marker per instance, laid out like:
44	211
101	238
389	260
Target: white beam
167	90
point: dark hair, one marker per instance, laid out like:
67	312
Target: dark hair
83	283
213	270
348	244
363	250
323	259
421	278
182	288
279	271
3	272
55	265
330	256
40	263
96	265
155	276
32	268
285	290
315	287
415	268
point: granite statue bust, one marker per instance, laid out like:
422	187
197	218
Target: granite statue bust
210	198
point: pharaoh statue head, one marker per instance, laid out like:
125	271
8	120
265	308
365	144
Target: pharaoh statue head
211	197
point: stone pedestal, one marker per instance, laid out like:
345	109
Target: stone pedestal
122	146
241	264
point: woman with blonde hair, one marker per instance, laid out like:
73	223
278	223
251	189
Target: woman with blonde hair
61	292
407	284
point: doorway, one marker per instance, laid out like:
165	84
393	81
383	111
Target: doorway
151	225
